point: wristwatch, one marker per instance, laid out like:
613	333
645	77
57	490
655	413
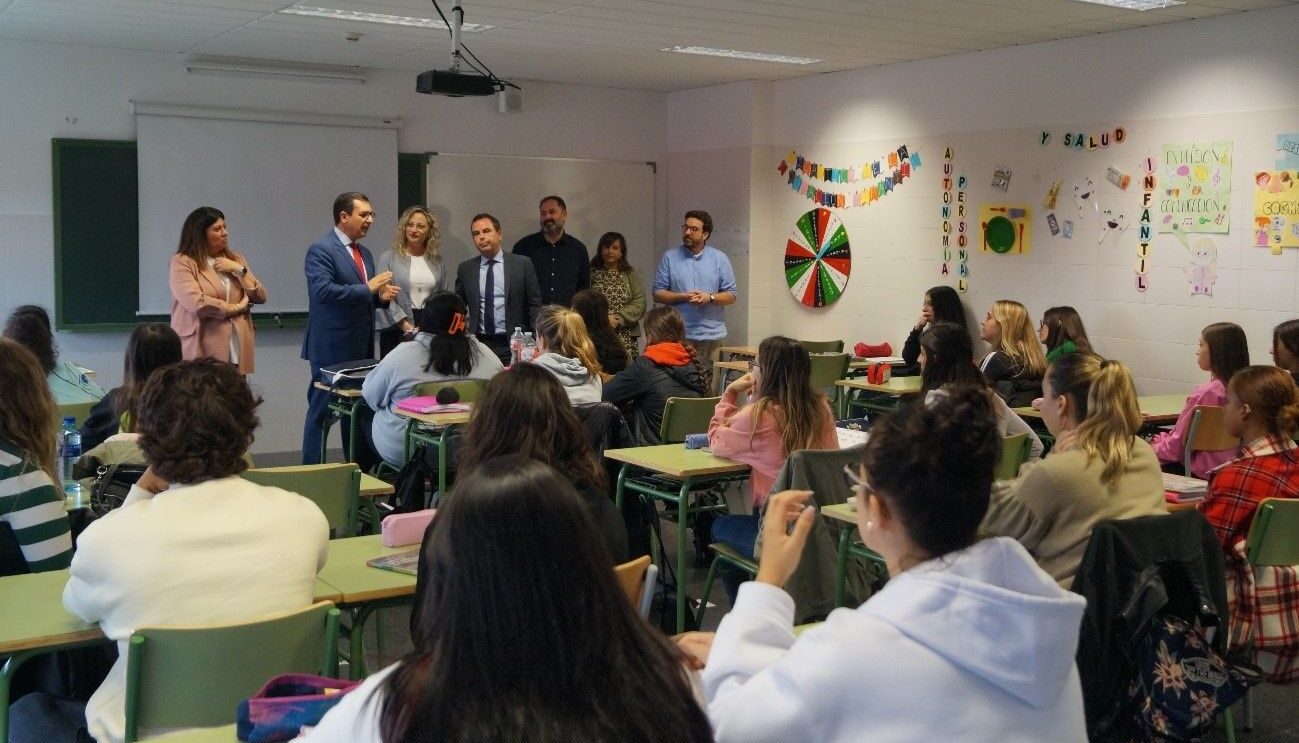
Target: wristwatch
243	270
712	298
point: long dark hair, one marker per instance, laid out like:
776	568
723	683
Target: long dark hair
1228	349
785	388
28	417
1064	324
193	233
607	239
450	353
949	359
524	410
946	306
594	309
522	632
30	326
151	346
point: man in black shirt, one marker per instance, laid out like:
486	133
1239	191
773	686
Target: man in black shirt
562	263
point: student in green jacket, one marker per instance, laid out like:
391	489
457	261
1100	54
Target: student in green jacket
1062	332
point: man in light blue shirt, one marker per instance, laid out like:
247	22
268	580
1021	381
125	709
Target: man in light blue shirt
698	280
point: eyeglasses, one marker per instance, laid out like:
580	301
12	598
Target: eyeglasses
691	228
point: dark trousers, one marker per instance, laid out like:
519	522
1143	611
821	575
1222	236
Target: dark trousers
317	410
740	533
389	338
500	345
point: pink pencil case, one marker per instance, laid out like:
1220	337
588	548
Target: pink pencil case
405	528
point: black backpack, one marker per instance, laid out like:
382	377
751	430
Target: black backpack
416	483
112	484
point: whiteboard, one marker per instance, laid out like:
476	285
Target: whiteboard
602	196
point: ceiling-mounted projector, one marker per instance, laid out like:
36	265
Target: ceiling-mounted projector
455	83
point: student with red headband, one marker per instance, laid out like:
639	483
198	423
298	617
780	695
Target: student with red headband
443	350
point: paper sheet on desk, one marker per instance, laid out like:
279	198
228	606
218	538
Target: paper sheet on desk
851	436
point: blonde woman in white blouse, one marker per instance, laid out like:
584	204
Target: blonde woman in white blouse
417	269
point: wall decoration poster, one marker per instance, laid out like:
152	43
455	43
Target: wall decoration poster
817	258
1195	187
1007	228
1202	265
1276	209
1287	152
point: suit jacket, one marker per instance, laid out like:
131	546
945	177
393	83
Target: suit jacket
340	308
199	310
399	309
522	294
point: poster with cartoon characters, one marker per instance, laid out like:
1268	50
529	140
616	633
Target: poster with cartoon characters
1202	265
1276	209
1195	187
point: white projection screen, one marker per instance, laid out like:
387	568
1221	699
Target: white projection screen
274	176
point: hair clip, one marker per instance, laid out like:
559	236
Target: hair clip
457	323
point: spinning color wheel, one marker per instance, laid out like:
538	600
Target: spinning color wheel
817	258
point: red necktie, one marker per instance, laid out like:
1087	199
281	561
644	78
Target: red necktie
360	263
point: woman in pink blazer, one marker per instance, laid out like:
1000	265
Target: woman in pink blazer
211	289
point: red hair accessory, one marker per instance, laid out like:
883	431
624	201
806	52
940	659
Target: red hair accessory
457	323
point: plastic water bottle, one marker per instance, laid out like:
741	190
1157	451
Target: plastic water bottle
69	453
516	345
529	347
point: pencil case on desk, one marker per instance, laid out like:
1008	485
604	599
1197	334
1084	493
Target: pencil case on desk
696	440
405	528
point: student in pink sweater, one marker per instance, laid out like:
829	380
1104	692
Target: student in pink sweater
1223	351
783	414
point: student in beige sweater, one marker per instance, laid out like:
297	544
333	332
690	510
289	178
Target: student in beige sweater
1099	468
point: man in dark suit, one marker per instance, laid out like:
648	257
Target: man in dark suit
343	292
500	289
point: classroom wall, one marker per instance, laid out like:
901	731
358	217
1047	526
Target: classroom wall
72	91
1197	80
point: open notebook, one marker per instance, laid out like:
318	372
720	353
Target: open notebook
400	562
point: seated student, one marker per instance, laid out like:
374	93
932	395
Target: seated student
1062	332
152	345
1015	364
969	640
1222	352
564	349
784	414
194	543
31	500
444	350
1263	410
524	411
668	368
942	304
1098	469
947	364
520	631
609	350
1285	347
30	326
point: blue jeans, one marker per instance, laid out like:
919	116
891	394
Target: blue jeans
739	533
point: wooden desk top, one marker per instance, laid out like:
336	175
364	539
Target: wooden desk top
1154	408
348	392
840	512
355	582
437	420
373	487
739	366
896	386
750	351
676	461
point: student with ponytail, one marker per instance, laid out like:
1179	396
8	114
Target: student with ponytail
564	349
668	368
1263	410
1015	364
1222	352
1098	469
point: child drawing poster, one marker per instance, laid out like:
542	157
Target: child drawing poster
1276	209
1195	187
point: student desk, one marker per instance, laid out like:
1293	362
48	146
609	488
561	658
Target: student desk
432	429
362	590
1155	409
722	371
34	622
848	545
877	396
673	472
344	402
733	351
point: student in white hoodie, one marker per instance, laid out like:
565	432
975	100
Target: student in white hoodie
968	641
565	349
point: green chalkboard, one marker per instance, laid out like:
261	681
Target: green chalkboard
97	234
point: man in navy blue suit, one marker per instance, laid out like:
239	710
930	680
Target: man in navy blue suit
343	292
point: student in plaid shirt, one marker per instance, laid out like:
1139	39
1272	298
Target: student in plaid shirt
1263	410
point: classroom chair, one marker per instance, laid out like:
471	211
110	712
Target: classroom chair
1014	452
335	488
828	368
468	389
822	346
722	553
686	415
196	676
1207	432
1272	542
637	579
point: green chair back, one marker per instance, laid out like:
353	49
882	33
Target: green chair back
828	368
685	415
1014	452
822	346
1274	536
335	488
469	389
196	676
1207	432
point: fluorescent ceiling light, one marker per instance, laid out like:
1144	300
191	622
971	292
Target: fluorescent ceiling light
391	20
219	68
1136	4
733	54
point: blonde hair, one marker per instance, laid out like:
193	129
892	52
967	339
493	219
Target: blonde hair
430	242
28	416
565	333
1102	393
1017	338
1271	395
